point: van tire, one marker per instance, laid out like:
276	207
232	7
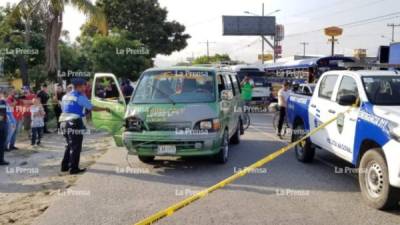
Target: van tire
146	159
305	152
235	139
374	183
223	154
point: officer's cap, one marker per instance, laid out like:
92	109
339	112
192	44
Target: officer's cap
78	81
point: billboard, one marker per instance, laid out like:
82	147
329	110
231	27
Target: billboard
394	53
383	54
249	25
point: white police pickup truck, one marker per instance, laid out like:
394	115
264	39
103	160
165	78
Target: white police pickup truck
368	135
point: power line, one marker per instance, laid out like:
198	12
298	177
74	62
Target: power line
354	23
351	9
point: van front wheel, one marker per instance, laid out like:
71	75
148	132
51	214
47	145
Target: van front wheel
222	155
235	139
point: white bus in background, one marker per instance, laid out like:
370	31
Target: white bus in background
262	89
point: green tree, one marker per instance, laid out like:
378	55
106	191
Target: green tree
147	22
117	54
14	36
54	19
212	59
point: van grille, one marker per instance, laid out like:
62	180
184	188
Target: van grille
169	126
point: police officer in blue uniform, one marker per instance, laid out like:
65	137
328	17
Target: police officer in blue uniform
73	106
3	127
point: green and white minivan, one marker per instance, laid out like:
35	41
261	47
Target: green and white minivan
177	111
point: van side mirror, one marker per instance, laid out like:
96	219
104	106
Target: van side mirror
347	100
226	95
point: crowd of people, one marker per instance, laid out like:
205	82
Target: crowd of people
29	111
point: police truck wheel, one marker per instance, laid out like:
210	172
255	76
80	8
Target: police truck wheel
235	139
304	150
146	159
222	155
374	181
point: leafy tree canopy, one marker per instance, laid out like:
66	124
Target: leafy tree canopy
117	54
212	59
146	21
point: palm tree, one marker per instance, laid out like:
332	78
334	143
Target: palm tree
54	19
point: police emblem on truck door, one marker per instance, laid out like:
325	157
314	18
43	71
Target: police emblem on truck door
340	122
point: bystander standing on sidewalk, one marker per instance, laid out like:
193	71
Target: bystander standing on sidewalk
11	124
44	97
37	116
27	103
3	127
247	86
283	96
58	95
16	107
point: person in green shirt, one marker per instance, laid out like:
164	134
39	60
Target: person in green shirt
247	89
247	92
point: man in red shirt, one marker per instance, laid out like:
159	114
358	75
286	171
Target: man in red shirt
27	103
17	108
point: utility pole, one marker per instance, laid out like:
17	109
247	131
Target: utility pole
208	48
304	47
262	39
393	28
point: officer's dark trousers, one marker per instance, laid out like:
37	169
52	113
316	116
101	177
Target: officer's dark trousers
73	133
3	138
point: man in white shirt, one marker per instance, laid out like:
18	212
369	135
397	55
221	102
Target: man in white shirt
283	96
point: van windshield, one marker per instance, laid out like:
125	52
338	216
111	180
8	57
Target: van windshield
383	90
173	86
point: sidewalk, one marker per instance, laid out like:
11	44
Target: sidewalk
33	178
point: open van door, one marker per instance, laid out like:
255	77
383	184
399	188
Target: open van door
106	93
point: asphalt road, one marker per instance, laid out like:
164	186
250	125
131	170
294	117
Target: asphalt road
283	192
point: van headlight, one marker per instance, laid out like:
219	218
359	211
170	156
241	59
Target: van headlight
211	125
206	125
134	124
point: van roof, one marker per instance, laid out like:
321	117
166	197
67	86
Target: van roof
198	68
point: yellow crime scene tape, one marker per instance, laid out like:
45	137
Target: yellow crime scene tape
173	208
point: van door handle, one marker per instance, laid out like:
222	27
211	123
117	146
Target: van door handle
313	106
332	111
352	120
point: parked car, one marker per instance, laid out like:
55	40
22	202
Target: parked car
179	111
368	135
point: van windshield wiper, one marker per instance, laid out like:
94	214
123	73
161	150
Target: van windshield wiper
165	94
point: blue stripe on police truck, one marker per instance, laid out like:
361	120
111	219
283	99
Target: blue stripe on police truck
369	127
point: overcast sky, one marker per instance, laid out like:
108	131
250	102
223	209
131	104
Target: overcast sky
203	21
